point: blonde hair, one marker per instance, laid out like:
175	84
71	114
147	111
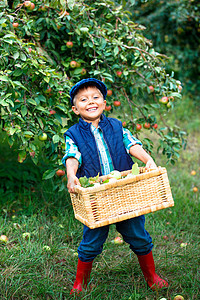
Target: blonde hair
85	87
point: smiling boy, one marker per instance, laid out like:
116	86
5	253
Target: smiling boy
97	144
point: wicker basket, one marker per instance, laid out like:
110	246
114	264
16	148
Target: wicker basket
124	199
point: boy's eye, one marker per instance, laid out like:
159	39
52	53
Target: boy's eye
96	97
84	99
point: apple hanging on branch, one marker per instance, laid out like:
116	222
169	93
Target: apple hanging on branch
108	107
117	103
109	93
43	137
164	100
69	44
138	127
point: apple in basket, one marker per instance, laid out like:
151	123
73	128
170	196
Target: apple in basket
114	174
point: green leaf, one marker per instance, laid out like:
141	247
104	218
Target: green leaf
41	124
94	179
28	133
46	79
31	101
4	78
70	4
17	72
175	140
24	110
40	98
23	56
84	181
48	174
139	63
77	71
21	156
12	131
135	169
10	102
56	139
16	55
178	95
116	51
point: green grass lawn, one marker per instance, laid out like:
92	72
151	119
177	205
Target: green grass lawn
28	271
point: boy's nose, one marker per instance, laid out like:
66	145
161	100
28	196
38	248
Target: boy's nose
91	100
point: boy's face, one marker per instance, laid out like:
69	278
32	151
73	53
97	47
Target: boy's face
89	104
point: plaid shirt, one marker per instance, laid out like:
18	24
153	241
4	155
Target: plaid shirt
104	154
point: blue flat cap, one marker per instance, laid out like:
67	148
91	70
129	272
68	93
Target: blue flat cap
87	82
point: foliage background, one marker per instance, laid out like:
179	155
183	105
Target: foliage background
35	70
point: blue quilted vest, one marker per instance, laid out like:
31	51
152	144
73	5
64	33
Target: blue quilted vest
81	134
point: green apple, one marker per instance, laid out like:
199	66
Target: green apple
112	180
183	245
46	248
130	175
26	235
43	137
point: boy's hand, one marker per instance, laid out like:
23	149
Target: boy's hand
72	167
72	181
150	164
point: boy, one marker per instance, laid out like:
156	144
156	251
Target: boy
98	144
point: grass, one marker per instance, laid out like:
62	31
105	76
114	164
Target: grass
27	271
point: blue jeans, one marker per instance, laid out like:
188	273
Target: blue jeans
132	230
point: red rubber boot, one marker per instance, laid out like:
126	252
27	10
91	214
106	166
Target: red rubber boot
82	276
148	269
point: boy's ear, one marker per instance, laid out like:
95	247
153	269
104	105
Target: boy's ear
75	110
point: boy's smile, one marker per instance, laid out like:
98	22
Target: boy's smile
89	104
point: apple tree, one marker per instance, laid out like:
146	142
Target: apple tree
47	46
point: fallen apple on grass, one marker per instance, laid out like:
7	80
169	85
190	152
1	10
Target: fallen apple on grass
195	189
178	297
193	173
26	235
46	248
183	245
3	239
118	240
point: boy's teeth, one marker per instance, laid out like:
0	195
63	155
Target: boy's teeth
92	109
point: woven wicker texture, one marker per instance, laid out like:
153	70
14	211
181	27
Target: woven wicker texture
124	199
